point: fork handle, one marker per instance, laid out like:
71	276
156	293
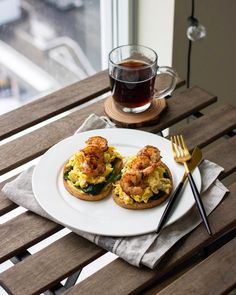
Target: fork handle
169	206
199	203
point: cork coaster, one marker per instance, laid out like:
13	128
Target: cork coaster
149	117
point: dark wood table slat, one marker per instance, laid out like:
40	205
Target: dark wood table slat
49	260
182	105
22	232
61	258
24	149
232	292
134	280
49	266
53	104
5	204
58	102
228	162
224	154
210	127
13	245
206	277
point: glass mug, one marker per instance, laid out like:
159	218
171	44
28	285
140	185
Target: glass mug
132	73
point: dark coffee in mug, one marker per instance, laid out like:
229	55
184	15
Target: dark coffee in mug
132	83
132	71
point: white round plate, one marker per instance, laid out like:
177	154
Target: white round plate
105	217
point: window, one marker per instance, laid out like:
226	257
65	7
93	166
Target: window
49	44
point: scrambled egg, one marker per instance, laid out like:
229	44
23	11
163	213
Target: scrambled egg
82	180
155	182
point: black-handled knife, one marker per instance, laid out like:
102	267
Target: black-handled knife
198	200
192	164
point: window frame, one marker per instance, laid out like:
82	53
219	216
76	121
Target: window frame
117	26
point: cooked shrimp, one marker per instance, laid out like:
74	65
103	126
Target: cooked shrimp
140	162
131	183
151	152
92	150
143	164
98	141
93	163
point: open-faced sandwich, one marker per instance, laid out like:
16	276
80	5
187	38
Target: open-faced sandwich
145	181
90	172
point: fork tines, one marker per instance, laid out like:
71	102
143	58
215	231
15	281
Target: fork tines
179	148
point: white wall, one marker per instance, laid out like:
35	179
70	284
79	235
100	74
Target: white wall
155	27
162	25
213	58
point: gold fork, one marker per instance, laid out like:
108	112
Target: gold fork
181	155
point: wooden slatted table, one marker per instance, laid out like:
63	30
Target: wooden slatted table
197	264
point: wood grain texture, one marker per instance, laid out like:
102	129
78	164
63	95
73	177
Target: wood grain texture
29	146
22	232
224	154
53	104
37	142
210	127
5	204
183	105
120	278
65	256
50	265
134	120
228	162
58	102
214	276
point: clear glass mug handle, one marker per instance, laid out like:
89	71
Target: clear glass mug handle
169	89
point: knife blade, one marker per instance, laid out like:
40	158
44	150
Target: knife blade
196	159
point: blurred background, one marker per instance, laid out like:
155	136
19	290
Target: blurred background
46	45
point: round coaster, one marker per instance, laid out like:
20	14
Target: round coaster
148	117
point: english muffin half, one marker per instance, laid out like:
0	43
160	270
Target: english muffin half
145	181
90	172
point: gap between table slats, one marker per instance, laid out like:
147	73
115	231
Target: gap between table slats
183	105
227	148
33	228
210	127
53	104
49	266
213	276
22	232
58	102
224	154
228	162
32	145
217	221
118	277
